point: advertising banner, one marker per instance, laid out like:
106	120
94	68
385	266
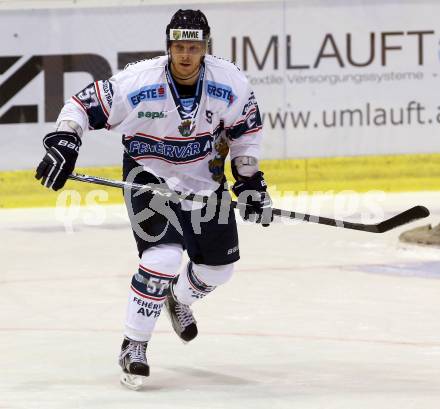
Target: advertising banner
342	80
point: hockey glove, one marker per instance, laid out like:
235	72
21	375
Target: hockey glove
61	153
254	203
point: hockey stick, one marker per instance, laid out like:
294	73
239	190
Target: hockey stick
415	213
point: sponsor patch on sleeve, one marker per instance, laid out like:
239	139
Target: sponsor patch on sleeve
148	93
104	92
220	91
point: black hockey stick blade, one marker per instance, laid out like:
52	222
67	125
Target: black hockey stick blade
407	216
415	213
410	215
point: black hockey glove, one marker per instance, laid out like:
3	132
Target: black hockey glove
61	153
254	203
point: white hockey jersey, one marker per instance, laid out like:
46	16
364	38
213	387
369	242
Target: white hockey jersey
183	141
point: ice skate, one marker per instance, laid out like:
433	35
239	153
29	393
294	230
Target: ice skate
181	317
133	362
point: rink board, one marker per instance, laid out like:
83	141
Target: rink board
353	78
359	174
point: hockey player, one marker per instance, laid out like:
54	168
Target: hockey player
180	116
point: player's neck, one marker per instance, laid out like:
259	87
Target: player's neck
188	80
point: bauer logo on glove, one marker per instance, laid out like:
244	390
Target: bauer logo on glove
69	145
59	162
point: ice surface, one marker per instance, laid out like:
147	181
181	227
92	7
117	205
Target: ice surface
314	317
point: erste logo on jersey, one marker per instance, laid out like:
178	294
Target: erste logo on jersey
152	92
220	91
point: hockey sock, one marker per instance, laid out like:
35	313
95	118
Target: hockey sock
198	280
149	288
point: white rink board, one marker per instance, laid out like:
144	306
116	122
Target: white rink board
314	317
384	105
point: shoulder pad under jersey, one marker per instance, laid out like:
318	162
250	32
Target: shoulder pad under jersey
220	61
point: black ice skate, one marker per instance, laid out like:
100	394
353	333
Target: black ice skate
181	317
133	362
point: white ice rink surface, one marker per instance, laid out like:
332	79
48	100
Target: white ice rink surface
314	317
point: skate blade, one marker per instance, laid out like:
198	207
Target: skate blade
133	382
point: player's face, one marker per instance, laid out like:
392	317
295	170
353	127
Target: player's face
186	56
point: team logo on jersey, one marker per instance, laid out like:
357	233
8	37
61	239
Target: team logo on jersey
186	34
148	93
186	128
220	91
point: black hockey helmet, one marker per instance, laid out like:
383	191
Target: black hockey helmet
188	20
